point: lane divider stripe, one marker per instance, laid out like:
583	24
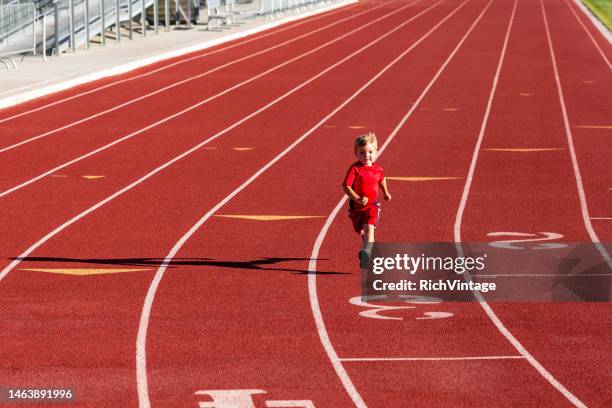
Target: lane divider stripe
175	84
393	359
524	149
130	186
457	233
598	25
97	74
415	178
203	102
141	367
312	266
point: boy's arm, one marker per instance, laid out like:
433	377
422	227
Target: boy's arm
383	185
348	190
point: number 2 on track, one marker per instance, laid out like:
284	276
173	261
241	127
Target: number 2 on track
530	240
374	309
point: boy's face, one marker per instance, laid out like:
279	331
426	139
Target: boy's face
366	154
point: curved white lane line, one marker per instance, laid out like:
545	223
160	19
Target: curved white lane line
171	65
73	220
590	35
317	315
312	267
586	218
457	235
209	99
141	338
141	360
181	82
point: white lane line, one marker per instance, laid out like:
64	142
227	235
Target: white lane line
312	266
318	315
173	64
601	27
570	142
73	220
141	339
457	235
590	36
197	105
186	80
141	359
291	403
393	359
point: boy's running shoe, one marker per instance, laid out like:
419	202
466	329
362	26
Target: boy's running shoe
364	258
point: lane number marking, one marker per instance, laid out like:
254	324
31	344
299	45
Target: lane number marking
531	240
244	399
374	309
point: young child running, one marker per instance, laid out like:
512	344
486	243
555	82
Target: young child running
361	186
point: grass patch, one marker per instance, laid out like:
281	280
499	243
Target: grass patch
602	9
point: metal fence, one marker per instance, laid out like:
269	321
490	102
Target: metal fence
270	7
17	30
55	26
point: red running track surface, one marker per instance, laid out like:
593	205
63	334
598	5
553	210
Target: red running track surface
210	303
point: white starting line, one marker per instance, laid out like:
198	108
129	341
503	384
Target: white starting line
373	359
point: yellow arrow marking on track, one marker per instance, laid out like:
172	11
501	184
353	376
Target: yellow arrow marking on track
525	94
269	217
524	150
451	109
242	149
589	82
593	126
82	272
93	177
356	127
422	178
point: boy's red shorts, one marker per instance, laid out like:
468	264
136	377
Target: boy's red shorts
361	218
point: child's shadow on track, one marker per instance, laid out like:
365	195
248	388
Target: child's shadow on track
262	264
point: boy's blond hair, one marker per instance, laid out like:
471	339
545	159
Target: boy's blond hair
368	138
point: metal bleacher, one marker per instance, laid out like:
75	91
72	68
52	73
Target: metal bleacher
17	25
50	27
54	26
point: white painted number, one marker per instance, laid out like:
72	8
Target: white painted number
229	398
372	313
529	240
244	399
374	309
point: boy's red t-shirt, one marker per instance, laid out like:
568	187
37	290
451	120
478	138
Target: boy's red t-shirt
364	181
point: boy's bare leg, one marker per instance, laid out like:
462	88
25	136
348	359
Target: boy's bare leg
369	232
